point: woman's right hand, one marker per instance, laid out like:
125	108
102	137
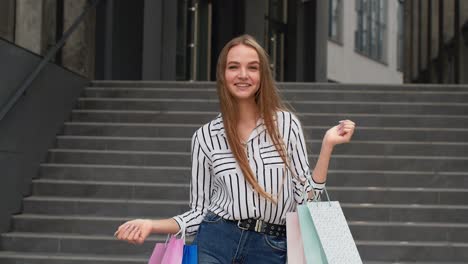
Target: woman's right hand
134	231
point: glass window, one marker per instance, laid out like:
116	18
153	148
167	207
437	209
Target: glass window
335	12
371	28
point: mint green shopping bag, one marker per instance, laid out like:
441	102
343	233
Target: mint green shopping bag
313	249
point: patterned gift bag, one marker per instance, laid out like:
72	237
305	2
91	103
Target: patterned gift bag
333	232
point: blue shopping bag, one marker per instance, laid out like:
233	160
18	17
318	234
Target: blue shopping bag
190	254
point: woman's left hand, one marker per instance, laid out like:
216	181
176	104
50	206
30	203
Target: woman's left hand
339	134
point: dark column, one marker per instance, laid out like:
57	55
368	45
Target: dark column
228	22
434	17
457	40
7	19
441	57
120	40
255	11
415	41
408	48
291	45
421	43
313	27
429	19
152	40
169	40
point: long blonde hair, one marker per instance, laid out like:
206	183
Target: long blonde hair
268	102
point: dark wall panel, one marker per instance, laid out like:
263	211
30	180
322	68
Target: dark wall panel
29	128
228	22
119	40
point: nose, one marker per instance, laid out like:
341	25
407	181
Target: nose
243	73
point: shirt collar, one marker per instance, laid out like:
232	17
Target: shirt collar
217	127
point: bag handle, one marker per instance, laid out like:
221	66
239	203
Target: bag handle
181	232
316	198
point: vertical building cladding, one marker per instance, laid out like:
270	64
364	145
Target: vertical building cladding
434	41
172	40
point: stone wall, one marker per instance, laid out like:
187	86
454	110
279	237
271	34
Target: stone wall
79	51
28	29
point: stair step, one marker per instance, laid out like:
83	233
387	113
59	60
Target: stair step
96	172
397	251
289	94
189	104
311	132
286	86
20	257
386	195
172	191
167	158
183	144
84	225
405	212
321	119
408	262
179	174
118	190
75	244
103	207
166	208
409	231
123	143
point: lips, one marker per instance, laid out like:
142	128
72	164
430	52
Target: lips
242	85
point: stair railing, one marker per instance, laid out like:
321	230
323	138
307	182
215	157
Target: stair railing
91	4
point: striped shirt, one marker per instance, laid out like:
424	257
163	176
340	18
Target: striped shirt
218	184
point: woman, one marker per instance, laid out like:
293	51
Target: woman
249	167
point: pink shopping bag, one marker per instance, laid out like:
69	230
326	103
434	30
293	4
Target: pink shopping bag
294	239
174	251
168	253
158	253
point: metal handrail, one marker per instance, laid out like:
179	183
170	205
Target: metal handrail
50	54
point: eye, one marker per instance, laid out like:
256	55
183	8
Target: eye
255	68
232	67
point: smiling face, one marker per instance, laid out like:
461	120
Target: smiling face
242	73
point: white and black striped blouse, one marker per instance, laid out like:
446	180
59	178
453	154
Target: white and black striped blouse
218	184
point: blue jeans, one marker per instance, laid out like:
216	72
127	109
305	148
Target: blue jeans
221	241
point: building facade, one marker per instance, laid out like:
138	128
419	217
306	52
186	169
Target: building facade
359	41
365	41
436	41
171	39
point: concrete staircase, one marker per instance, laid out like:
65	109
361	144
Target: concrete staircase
402	182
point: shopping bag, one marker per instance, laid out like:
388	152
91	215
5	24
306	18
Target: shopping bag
333	232
158	253
313	250
295	250
174	251
190	254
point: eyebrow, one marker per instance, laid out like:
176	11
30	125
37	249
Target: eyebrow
236	62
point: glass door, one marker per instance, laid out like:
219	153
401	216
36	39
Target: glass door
276	33
194	40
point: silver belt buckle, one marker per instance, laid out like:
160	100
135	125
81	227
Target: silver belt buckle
258	226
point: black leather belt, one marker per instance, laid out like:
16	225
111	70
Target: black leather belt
262	227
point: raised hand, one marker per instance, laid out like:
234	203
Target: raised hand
135	231
339	134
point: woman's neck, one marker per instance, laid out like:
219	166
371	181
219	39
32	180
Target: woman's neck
248	111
